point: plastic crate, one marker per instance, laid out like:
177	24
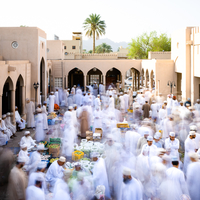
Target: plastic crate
57	140
76	157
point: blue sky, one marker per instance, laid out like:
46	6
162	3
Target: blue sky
125	19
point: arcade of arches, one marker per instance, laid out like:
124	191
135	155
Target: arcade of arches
12	98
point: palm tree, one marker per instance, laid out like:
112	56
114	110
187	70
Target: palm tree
93	25
103	48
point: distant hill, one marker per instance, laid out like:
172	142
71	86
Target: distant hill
87	44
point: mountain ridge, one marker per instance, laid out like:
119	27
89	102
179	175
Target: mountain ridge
88	44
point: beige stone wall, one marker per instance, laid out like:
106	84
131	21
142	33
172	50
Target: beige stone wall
55	50
164	72
159	55
32	47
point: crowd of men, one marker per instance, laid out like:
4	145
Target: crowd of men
157	158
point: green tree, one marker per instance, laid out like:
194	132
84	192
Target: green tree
103	48
94	26
90	51
144	43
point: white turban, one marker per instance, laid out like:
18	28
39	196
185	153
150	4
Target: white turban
192	133
26	132
23	145
172	134
127	171
21	159
62	159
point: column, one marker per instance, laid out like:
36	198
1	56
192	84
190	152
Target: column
23	100
135	80
133	88
150	81
1	106
13	105
104	80
138	80
142	80
122	77
145	81
85	82
66	81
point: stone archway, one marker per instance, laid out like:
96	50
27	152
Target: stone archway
94	75
42	79
112	76
6	97
76	77
19	94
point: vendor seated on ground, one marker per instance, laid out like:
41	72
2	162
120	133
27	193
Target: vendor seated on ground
55	172
27	139
20	122
79	169
24	153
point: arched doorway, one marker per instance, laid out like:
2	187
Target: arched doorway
18	93
112	76
94	75
42	79
75	77
49	81
142	78
6	98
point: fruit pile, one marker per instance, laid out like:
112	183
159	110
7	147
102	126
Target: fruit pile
53	146
53	159
52	115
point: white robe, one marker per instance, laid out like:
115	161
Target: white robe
131	140
193	177
126	102
69	134
3	138
34	160
10	125
154	110
21	122
97	120
97	103
24	154
33	193
45	113
190	146
173	145
131	190
51	103
152	150
29	110
5	129
100	176
122	104
28	141
56	98
54	173
32	179
178	184
39	131
111	103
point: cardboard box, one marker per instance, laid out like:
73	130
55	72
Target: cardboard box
99	130
96	140
122	125
89	133
54	151
89	138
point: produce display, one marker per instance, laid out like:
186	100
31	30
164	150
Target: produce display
52	115
53	159
77	155
53	146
